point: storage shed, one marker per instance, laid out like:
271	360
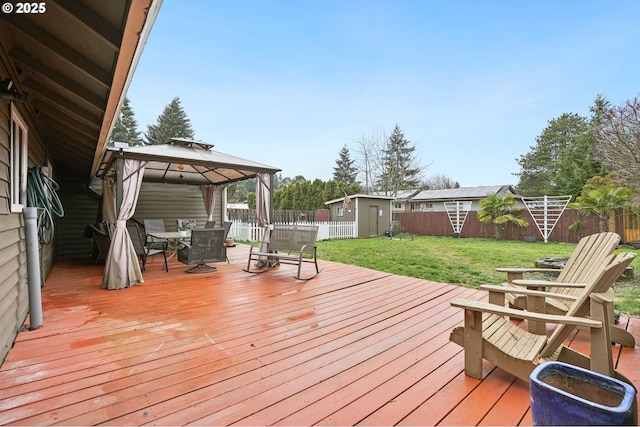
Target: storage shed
371	213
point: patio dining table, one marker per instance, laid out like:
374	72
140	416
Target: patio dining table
174	237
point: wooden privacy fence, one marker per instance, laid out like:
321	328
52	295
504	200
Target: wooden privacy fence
627	225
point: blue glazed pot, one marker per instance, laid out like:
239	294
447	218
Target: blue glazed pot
563	394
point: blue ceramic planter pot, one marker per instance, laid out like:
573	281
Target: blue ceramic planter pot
563	394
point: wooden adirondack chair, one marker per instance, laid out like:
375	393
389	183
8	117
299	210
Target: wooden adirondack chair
488	333
583	263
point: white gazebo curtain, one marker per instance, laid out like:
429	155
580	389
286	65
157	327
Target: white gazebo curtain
121	268
263	208
108	201
263	199
209	197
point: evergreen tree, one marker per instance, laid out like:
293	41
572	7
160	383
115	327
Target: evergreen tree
172	123
345	171
561	161
400	168
126	126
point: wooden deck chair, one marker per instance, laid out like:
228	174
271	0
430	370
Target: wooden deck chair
581	265
488	333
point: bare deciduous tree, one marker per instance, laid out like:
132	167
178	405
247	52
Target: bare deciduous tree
617	140
369	157
440	182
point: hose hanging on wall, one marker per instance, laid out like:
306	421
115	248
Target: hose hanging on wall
41	193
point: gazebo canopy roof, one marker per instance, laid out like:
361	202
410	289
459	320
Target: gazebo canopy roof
183	161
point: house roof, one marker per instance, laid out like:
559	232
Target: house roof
362	196
184	161
462	193
75	60
403	194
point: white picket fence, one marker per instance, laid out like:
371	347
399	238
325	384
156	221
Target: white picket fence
326	230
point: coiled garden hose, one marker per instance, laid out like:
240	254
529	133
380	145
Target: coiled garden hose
42	194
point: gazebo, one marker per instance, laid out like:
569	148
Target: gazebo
180	161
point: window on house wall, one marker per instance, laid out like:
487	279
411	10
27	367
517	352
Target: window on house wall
18	163
339	211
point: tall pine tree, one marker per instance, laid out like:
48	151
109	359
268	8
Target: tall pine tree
172	123
345	171
561	161
400	168
126	127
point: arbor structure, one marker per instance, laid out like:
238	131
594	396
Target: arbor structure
172	123
126	127
345	171
400	168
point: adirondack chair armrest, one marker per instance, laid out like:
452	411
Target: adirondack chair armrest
544	283
525	291
486	307
523	270
602	297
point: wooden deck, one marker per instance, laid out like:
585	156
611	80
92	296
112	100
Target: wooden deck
352	346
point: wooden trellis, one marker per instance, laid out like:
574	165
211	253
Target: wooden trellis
546	211
457	212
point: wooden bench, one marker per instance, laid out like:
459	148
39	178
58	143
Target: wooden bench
288	244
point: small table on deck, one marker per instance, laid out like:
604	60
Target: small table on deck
171	236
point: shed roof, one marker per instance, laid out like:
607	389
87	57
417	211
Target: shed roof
462	193
362	196
184	161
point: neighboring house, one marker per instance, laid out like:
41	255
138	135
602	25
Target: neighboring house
434	200
401	200
371	213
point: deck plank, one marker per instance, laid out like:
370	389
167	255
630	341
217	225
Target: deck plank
352	346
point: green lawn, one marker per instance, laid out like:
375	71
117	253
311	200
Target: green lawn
464	262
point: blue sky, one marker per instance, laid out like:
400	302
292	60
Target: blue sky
471	83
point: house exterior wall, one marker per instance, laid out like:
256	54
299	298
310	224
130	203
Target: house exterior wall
171	202
14	301
81	208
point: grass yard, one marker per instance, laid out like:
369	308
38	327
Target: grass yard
464	262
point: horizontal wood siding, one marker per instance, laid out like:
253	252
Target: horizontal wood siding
81	208
171	202
14	295
14	301
5	192
437	224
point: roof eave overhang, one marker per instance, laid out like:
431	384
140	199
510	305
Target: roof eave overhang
142	14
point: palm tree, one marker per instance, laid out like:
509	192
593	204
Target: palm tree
500	210
601	202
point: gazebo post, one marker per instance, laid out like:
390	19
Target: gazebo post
119	183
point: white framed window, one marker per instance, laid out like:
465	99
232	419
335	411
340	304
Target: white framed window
339	211
18	151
